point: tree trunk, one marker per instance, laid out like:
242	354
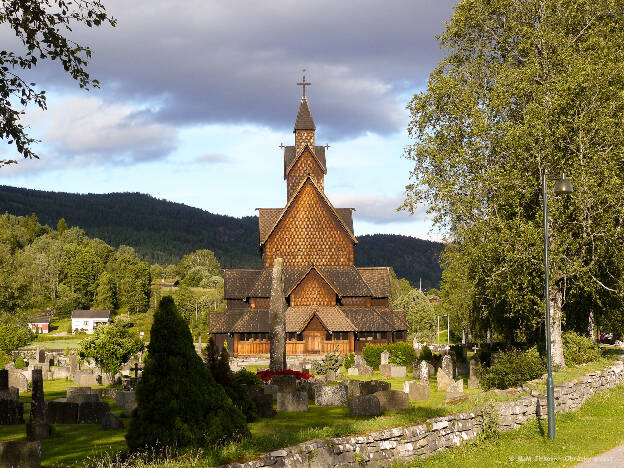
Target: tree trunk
489	336
591	325
556	300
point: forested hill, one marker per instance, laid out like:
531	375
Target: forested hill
162	231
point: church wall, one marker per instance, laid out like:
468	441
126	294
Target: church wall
380	302
305	165
356	301
313	290
302	138
309	233
259	302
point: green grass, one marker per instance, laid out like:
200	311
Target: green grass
69	341
595	428
570	373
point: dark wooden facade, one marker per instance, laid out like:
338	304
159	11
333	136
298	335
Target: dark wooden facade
332	304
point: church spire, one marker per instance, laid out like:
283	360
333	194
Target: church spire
304	116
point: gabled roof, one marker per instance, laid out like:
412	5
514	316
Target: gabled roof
346	280
262	286
93	314
237	283
304	117
397	317
223	322
303	276
378	280
367	319
42	319
290	157
323	197
253	321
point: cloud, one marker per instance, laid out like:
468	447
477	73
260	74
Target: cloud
377	209
237	62
211	159
84	131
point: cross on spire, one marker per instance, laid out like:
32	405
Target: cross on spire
327	147
304	83
281	145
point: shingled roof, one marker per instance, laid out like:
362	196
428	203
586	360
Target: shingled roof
304	117
346	280
397	317
290	156
223	322
378	280
238	283
367	319
253	321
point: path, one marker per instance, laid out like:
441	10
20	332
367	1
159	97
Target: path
614	457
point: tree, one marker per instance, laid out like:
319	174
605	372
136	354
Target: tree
200	258
61	226
111	347
14	335
524	87
186	303
105	295
421	317
192	409
40	29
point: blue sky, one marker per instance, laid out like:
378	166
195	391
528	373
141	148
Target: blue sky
196	97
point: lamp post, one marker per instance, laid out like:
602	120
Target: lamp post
562	187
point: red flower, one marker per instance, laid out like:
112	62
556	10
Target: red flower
267	374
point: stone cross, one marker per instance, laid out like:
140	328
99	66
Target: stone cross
37	406
277	317
474	348
136	370
327	147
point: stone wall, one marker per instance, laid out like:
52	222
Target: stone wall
381	448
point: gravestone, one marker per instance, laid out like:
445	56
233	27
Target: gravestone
10	393
127	401
19	381
270	389
73	363
41	356
285	383
447	365
37	428
61	372
331	395
263	402
392	400
353	388
81	395
11	412
385	357
416	390
62	412
398	372
353	371
277	318
365	405
111	421
292	401
365	371
330	376
385	370
474	381
444	380
92	412
368	387
20	454
86	379
424	372
455	393
297	366
359	361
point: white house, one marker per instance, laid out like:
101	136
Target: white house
89	320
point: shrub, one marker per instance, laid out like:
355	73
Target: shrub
179	404
459	351
425	354
401	354
579	349
332	361
4	359
372	354
485	356
513	368
349	360
20	363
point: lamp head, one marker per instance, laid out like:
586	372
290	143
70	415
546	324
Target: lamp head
563	186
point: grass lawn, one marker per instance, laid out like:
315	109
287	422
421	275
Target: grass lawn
595	428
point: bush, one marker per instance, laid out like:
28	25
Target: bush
425	354
349	360
579	349
179	404
401	354
267	374
331	362
513	368
459	353
485	356
20	363
372	354
4	359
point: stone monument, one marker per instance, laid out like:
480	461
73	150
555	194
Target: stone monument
37	428
277	318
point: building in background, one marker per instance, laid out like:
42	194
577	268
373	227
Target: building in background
88	320
40	324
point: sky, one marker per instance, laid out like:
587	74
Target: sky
197	96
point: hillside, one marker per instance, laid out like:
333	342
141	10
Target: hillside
162	231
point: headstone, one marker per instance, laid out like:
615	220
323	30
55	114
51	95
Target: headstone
474	381
392	400
81	395
309	387
353	371
292	401
127	401
111	421
447	365
19	381
61	372
416	390
385	370
444	380
263	402
11	412
297	366
270	389
331	395
330	376
398	372
73	363
365	405
62	412
86	379
37	428
92	412
20	454
385	357
277	318
4	379
41	356
368	387
10	393
285	383
365	371
424	372
455	393
359	361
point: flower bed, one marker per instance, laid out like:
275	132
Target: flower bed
267	374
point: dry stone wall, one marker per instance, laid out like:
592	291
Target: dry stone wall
381	448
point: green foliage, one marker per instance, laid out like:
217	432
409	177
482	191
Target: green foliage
185	302
105	296
111	346
179	403
61	226
513	368
425	354
421	316
401	354
349	360
14	335
332	361
20	363
490	422
66	301
199	264
5	359
579	349
459	353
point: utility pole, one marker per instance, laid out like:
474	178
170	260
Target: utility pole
448	329
438	330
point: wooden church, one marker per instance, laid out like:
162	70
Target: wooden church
331	303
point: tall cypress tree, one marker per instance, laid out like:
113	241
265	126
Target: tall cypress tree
178	401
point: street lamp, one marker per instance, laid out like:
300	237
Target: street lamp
562	187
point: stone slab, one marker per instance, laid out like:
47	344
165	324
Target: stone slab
365	405
62	412
292	401
385	370
416	391
92	412
20	454
398	372
392	400
444	380
331	395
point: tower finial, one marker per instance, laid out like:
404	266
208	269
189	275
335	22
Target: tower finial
303	84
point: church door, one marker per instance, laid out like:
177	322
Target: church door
313	341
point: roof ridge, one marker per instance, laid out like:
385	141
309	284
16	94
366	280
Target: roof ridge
298	155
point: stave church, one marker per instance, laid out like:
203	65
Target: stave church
331	303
